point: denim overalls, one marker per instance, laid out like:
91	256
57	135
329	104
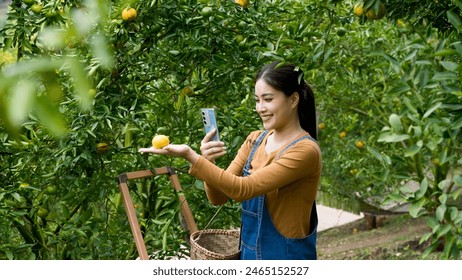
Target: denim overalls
260	240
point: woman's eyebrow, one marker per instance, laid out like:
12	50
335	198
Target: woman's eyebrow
265	94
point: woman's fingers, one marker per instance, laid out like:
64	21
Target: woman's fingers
209	136
152	150
213	150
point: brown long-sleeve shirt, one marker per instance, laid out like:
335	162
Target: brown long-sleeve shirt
289	182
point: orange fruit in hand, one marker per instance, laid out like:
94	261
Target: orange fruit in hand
129	14
160	141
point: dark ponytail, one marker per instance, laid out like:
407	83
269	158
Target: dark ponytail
289	79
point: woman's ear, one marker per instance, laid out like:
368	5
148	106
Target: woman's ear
294	98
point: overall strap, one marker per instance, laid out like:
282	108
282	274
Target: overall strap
295	142
255	147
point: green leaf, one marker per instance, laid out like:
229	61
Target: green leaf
443	184
449	65
16	196
417	130
454	213
414	209
409	105
443	198
81	83
400	89
455	20
21	101
449	246
425	237
9	255
432	109
445	229
440	211
52	38
457	123
412	150
444	76
395	122
457	180
392	138
420	193
66	211
38	65
445	52
394	63
375	153
101	51
432	222
49	115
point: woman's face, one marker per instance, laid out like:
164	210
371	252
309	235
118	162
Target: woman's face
273	106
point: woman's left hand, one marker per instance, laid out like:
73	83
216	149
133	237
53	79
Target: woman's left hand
183	151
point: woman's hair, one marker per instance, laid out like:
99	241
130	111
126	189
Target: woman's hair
289	79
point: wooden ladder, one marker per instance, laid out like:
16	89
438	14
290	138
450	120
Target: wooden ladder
130	209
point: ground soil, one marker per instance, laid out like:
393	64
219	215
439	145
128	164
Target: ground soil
398	237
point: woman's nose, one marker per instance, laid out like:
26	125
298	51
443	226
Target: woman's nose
260	107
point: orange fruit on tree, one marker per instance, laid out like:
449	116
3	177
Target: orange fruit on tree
343	134
129	14
239	38
187	90
207	11
24	185
360	144
92	92
51	190
42	212
358	9
36	8
341	31
371	14
321	126
29	2
400	23
102	147
160	141
242	3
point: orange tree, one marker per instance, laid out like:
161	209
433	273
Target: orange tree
398	92
106	79
99	85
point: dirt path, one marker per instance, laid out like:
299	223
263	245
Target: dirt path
352	241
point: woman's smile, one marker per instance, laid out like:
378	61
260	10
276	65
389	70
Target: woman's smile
265	117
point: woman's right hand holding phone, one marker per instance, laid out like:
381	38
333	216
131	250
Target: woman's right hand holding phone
212	149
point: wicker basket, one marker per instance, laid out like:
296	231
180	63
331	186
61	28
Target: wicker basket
215	244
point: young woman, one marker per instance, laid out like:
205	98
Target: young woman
275	173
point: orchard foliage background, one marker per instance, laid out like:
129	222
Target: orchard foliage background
81	89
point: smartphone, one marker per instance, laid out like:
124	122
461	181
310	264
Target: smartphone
210	122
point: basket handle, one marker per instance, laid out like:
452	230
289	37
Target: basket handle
208	224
